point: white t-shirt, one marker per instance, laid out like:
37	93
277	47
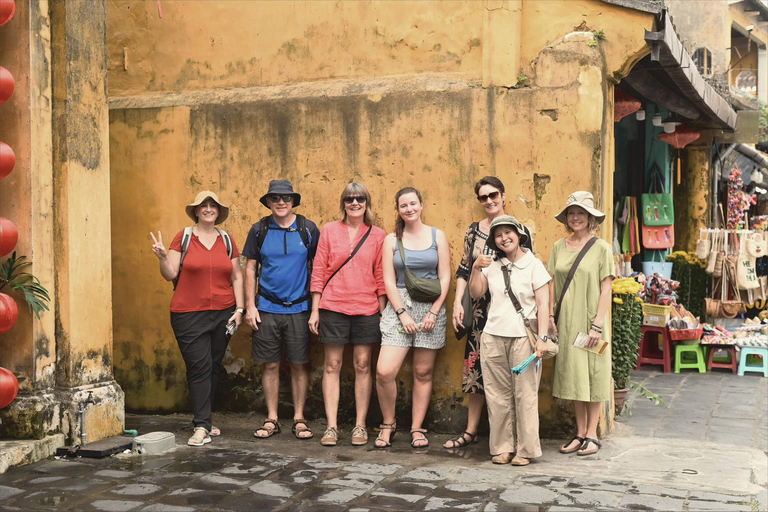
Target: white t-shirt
526	276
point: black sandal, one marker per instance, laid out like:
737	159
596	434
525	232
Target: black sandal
584	447
384	443
461	441
571	450
423	438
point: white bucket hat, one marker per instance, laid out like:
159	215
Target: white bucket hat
584	200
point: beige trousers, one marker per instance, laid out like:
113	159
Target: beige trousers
513	400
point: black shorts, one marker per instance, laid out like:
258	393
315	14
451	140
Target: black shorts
340	329
277	330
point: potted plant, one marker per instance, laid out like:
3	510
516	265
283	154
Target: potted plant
627	325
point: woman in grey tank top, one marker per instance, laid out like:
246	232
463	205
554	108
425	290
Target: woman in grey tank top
406	323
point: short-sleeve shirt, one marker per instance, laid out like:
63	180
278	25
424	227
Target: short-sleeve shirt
283	259
526	276
205	280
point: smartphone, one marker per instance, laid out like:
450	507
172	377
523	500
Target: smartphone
230	329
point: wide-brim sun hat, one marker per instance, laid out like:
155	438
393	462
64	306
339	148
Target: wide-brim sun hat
202	196
281	187
506	220
582	199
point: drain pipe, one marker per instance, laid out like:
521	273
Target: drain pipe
83	408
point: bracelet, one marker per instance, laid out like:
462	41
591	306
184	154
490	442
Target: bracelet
431	313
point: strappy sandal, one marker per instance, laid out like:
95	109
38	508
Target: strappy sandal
199	439
380	442
423	438
298	429
270	430
585	450
330	437
461	441
564	449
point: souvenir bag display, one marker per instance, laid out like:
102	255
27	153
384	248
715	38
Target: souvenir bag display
722	307
746	269
703	245
715	257
657	208
661	237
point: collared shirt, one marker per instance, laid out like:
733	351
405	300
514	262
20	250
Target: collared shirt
205	280
527	275
356	288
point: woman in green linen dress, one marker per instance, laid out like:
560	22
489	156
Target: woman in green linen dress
581	376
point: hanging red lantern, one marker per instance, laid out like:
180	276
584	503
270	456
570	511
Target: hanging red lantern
9	387
9	236
7	85
623	105
9	312
681	137
7	10
7	160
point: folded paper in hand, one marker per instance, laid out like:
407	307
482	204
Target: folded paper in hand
581	342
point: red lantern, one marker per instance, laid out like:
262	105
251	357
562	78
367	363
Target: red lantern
623	105
7	85
9	387
7	160
681	137
9	312
7	10
9	235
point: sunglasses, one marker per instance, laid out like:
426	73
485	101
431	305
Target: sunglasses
493	196
275	198
352	199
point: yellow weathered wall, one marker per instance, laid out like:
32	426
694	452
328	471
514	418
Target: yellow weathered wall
432	126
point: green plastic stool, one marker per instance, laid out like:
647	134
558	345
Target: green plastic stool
698	361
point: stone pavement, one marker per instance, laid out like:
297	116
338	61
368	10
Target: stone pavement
704	449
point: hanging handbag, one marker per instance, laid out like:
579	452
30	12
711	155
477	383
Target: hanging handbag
712	257
657	207
703	246
746	274
662	237
421	289
756	245
531	326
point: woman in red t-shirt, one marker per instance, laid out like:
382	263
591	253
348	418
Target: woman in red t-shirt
207	301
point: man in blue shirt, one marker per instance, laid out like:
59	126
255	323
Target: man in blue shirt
282	245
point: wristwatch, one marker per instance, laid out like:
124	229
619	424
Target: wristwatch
400	311
240	310
544	338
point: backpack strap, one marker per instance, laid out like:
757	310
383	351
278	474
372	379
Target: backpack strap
227	241
186	237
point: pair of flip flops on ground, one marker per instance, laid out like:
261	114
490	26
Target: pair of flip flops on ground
271	427
202	436
583	448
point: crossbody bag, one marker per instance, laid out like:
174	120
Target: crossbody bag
572	272
552	347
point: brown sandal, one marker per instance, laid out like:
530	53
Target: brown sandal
299	429
380	442
270	430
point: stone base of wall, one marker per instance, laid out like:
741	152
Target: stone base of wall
19	453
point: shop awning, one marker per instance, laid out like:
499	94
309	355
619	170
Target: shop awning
667	51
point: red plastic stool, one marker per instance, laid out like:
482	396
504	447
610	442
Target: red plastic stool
649	353
733	360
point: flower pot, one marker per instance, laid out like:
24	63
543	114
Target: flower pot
619	397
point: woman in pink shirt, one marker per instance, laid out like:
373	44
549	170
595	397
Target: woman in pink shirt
348	295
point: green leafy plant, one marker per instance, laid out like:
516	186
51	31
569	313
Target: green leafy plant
643	392
12	274
627	325
599	35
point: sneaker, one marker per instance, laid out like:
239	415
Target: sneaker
359	436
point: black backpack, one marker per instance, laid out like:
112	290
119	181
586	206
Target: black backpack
301	227
186	236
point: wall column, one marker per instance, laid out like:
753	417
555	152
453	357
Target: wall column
82	233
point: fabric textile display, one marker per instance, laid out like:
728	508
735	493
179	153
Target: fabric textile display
657	207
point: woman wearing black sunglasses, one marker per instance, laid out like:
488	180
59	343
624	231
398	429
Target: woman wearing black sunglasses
347	296
490	193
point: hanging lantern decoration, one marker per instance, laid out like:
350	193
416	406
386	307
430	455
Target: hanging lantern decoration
9	312
624	105
7	10
9	236
7	160
7	85
9	387
681	137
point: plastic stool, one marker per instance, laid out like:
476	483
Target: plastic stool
697	351
731	362
744	366
649	353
